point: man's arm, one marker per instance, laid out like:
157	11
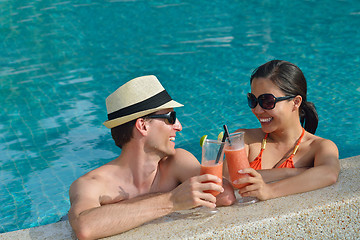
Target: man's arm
112	219
91	220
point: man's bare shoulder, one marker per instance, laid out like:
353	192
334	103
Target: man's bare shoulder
91	177
96	183
90	181
98	175
182	157
183	164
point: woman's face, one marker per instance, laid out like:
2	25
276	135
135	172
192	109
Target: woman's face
281	116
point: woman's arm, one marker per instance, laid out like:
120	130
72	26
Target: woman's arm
276	174
324	173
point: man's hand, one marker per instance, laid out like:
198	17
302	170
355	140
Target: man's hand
191	193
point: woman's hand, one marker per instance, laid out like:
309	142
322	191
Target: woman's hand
257	188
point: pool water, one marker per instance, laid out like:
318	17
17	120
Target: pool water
59	60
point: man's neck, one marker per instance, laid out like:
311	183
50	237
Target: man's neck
142	166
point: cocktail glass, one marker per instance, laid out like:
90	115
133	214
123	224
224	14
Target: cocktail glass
212	163
236	160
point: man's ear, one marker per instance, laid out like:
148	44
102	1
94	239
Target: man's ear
297	102
142	126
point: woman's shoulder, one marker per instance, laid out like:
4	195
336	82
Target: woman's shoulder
324	151
320	143
315	139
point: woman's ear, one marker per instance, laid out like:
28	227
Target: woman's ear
297	102
142	126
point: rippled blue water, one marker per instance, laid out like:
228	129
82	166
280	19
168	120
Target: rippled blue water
59	60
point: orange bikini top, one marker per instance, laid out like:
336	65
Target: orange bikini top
289	163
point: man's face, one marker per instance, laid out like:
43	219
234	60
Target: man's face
161	137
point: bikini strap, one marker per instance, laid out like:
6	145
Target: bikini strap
290	158
298	142
263	144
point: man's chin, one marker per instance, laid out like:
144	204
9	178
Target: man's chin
168	153
172	153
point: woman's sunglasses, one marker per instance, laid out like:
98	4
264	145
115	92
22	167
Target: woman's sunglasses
266	101
170	117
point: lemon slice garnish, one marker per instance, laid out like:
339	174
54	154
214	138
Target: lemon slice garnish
220	136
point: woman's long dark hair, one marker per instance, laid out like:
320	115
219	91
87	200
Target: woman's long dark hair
291	80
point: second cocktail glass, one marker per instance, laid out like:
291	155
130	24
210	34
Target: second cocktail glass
236	160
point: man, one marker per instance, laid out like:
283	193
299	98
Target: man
150	178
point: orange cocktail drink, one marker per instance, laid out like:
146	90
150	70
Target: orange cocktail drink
236	158
212	161
210	167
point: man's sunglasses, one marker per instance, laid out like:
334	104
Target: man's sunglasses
266	101
170	117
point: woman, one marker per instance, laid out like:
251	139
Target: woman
285	157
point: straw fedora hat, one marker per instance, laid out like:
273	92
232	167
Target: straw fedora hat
137	98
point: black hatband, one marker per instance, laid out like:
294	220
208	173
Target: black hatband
152	102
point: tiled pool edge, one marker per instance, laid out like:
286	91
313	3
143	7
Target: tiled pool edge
330	212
